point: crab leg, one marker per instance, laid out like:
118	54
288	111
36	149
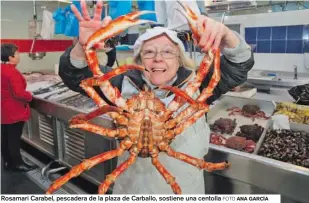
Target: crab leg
88	164
199	163
117	172
81	121
119	132
193	85
97	112
135	150
215	78
186	113
206	93
185	124
114	28
92	93
113	94
204	66
154	152
166	175
180	93
96	81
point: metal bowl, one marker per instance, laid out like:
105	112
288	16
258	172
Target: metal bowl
37	55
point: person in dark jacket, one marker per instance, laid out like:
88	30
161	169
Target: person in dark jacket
15	108
162	54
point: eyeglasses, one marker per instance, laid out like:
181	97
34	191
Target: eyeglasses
167	54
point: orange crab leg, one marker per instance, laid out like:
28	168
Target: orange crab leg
200	75
167	176
135	150
112	111
216	76
206	93
199	163
93	94
182	115
117	172
97	112
185	124
114	28
93	62
146	144
81	121
119	132
180	93
191	17
87	164
96	81
113	94
204	66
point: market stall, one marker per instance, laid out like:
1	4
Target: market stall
244	136
259	129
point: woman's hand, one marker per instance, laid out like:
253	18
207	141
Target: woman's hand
87	27
214	34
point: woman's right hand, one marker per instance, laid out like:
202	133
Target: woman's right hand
88	26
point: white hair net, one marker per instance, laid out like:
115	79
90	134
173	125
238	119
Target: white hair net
153	32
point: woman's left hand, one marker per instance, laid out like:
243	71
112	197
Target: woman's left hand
214	34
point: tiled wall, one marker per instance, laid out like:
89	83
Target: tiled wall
279	39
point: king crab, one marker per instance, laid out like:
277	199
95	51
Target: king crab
248	110
252	132
224	125
145	125
234	142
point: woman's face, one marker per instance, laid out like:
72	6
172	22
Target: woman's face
15	59
161	68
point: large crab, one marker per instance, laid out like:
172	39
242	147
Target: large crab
146	125
234	142
248	110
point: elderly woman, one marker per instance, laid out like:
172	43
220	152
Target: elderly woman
162	54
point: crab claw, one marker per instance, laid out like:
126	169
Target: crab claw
191	17
116	27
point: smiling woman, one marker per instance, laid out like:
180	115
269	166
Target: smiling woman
163	64
161	53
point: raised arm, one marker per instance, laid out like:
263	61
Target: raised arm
73	67
236	60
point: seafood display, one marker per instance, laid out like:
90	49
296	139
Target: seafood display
286	145
36	77
250	111
251	132
145	125
228	130
296	113
224	125
244	140
234	142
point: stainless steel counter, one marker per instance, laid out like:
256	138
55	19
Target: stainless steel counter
277	82
250	173
48	131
